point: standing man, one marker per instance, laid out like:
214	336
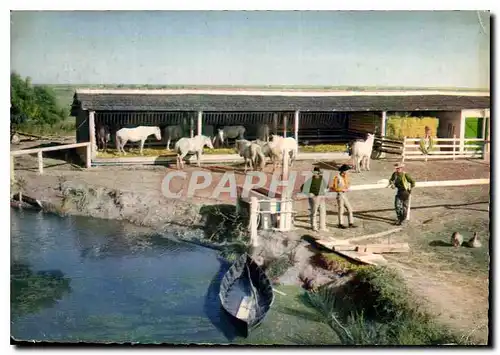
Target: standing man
317	193
341	185
404	183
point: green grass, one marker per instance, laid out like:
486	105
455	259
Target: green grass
375	308
64	127
291	322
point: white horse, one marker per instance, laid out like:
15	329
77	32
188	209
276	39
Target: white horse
185	146
136	134
288	144
362	151
251	152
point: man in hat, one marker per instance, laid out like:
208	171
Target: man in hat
317	192
341	185
404	183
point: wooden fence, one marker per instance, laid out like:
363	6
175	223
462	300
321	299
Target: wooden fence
445	148
39	152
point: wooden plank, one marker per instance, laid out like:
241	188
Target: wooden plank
48	149
376	235
384	248
365	258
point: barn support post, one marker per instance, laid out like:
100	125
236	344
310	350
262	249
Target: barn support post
296	125
275	123
285	118
383	129
92	135
199	123
383	124
191	126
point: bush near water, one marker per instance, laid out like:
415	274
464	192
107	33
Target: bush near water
34	105
414	127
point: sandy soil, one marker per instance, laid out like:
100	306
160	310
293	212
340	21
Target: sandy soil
453	284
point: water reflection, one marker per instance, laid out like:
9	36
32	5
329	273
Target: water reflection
216	314
32	291
126	285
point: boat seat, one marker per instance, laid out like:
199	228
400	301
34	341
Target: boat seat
246	305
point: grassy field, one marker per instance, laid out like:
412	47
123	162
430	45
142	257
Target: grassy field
66	127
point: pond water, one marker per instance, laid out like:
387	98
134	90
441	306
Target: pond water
83	279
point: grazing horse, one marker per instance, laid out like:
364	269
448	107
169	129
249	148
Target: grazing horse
185	146
230	132
288	144
103	136
263	132
136	134
173	133
362	151
267	152
251	152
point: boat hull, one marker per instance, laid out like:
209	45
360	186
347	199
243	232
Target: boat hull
247	306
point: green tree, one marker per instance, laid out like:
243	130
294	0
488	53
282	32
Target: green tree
34	104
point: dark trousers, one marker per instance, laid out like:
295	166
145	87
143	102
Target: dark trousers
401	205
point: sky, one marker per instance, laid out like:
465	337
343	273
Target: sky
327	48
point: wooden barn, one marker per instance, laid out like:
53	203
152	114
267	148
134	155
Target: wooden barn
309	116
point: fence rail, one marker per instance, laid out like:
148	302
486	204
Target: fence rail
453	148
39	152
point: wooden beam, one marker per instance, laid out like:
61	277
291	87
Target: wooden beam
296	125
88	157
199	123
92	135
373	248
465	182
365	258
254	209
376	235
384	248
12	169
48	149
40	163
191	126
285	119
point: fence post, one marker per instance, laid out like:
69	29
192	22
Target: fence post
12	173
40	162
404	149
454	145
484	149
254	210
88	157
